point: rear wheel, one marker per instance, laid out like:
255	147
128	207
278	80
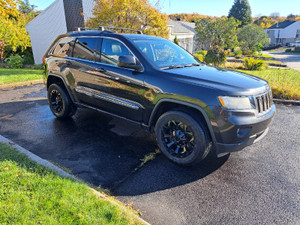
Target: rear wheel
181	138
60	102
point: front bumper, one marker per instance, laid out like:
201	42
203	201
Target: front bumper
241	133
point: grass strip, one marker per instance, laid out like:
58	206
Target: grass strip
285	83
8	76
33	194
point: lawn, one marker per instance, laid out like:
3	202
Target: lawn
285	83
17	75
32	194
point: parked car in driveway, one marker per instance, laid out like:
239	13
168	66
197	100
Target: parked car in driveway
192	108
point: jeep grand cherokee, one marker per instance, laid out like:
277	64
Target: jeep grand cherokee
192	108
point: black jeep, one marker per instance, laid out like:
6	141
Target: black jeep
192	108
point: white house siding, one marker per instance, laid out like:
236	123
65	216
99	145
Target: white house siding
87	6
45	28
284	35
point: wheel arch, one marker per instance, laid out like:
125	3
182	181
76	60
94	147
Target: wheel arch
59	80
165	105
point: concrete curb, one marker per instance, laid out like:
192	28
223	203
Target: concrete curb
286	102
63	173
20	84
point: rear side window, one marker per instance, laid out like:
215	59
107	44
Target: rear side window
111	51
64	47
86	48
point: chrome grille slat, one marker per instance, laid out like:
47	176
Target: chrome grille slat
263	102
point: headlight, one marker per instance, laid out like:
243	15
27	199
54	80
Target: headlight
237	103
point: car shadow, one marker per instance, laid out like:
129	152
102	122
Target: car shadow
161	174
98	149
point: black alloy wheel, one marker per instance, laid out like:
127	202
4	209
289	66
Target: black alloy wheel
59	101
181	138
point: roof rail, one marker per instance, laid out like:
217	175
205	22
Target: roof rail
78	29
103	28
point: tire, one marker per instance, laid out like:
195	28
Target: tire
60	102
181	138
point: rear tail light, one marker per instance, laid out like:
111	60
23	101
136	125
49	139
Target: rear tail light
44	61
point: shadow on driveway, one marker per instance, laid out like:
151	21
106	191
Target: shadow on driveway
99	149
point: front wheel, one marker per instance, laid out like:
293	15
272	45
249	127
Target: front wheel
181	138
59	102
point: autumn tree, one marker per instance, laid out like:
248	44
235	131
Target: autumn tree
265	22
241	11
133	14
12	30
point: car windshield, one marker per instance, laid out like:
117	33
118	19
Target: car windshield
165	54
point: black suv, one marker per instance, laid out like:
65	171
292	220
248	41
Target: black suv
192	108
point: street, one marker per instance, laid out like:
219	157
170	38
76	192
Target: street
259	185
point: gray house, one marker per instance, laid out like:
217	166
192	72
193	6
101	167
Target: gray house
185	33
284	32
60	17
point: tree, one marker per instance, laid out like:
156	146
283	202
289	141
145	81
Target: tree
241	11
265	22
25	7
217	35
134	14
12	30
252	38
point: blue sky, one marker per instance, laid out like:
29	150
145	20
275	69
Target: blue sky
214	7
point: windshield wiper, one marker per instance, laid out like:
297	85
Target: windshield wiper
172	67
193	64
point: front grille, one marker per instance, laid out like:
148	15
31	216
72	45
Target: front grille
263	102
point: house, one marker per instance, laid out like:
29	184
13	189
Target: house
60	17
284	32
185	33
64	16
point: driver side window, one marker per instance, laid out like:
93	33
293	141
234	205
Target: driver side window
111	50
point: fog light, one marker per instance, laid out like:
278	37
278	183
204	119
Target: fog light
243	132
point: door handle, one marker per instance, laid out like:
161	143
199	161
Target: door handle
101	70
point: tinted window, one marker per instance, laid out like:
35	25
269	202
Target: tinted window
64	47
86	48
164	53
111	51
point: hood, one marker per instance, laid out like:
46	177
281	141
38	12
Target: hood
226	80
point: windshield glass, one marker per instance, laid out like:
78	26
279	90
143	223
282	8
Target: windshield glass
164	54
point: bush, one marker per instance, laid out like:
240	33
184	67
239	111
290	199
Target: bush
200	57
253	64
238	53
202	52
28	59
15	61
38	66
215	57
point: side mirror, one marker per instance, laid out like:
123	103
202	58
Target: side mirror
128	61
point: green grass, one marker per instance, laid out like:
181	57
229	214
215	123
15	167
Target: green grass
285	83
8	76
32	194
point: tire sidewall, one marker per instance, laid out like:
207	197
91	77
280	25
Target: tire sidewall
201	142
65	99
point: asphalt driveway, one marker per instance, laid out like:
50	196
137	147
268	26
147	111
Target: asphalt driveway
259	185
291	59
